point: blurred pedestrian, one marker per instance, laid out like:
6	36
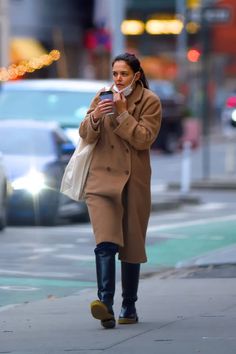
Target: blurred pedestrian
118	185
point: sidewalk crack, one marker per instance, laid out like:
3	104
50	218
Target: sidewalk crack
141	333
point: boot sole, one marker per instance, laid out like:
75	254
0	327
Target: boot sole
100	312
127	320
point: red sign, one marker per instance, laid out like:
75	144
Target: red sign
224	34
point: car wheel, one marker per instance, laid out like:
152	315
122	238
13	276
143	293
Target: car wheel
47	220
47	215
80	218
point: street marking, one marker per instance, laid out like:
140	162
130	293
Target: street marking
216	237
33	258
217	256
169	236
64	245
53	275
18	288
208	237
172	216
44	250
211	206
87	229
160	187
79	257
183	224
8	307
82	240
21	284
74	229
204	236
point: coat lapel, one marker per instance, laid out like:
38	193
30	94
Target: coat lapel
135	97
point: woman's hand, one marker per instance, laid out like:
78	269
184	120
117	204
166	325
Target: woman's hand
104	106
120	102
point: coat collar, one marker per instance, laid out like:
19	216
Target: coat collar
135	97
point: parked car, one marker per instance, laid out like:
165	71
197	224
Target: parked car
173	109
3	195
35	155
65	101
228	116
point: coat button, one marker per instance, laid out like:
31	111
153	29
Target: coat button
108	168
126	172
112	146
127	150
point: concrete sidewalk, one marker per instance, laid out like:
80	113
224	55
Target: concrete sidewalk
178	315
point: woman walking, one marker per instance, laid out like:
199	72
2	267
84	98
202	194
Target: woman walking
117	189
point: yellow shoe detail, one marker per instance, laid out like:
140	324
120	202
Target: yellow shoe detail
100	311
127	320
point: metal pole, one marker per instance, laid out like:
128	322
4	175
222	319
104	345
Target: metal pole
4	33
205	97
181	42
186	168
117	15
230	157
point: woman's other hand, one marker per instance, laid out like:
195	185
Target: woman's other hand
120	103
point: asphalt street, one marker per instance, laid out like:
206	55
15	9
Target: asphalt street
42	262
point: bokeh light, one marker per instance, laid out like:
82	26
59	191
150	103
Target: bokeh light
28	66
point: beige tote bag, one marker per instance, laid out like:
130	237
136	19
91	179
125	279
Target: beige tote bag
76	171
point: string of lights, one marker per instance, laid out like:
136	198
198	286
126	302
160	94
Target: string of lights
14	71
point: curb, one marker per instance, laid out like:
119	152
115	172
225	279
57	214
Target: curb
165	205
215	184
170	203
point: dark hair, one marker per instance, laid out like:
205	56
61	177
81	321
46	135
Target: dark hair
134	64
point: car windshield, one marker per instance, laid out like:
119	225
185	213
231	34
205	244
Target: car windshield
25	141
67	108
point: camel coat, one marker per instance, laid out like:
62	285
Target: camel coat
118	184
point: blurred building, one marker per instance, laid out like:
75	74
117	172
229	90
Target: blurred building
37	27
198	48
167	35
4	32
223	44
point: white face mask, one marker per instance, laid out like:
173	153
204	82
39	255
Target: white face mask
127	90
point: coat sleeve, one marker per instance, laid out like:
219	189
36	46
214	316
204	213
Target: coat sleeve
141	134
87	130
